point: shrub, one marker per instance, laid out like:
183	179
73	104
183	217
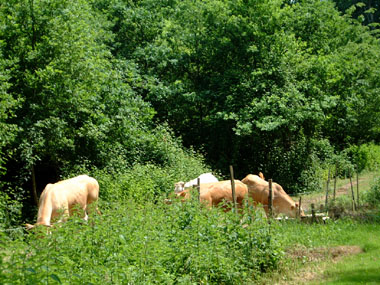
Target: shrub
145	244
365	156
10	210
373	195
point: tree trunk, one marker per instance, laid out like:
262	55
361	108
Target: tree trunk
34	187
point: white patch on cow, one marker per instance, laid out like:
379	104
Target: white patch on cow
204	178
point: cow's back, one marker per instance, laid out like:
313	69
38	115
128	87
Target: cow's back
217	192
91	185
257	188
259	192
80	190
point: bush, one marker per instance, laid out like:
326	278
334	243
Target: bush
10	211
161	162
145	244
365	156
373	195
148	182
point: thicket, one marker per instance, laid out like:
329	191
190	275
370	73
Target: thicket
148	243
373	195
117	88
142	94
276	86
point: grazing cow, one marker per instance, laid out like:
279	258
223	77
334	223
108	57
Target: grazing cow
61	199
204	178
258	190
214	193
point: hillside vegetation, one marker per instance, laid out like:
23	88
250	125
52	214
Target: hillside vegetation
142	94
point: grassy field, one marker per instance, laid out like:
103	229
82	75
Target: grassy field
183	243
342	252
345	251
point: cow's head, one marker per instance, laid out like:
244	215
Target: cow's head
183	195
295	211
179	187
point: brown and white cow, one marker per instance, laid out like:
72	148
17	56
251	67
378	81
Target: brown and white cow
258	190
62	199
215	193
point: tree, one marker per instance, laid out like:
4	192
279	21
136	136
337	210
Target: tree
366	11
77	107
257	84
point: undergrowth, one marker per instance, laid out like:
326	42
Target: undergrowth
144	244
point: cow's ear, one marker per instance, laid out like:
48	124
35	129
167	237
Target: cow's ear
297	206
292	207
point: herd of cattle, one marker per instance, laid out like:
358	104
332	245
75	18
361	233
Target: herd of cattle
63	198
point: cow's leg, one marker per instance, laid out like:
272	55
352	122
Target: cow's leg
206	200
65	214
85	212
92	198
91	207
266	209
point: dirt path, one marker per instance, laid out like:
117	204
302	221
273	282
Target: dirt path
315	261
320	199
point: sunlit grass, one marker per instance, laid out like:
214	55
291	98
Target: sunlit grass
324	238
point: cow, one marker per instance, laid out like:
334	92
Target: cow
203	178
62	199
258	190
215	193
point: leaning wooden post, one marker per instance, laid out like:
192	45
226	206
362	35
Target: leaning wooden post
199	188
270	199
34	187
233	188
353	194
299	207
357	187
313	219
336	174
327	190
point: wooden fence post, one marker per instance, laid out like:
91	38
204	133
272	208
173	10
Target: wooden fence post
357	187
270	199
353	194
299	207
336	174
313	219
327	190
233	188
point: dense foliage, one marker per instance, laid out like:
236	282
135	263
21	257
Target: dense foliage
142	94
261	85
373	195
366	11
116	88
154	244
